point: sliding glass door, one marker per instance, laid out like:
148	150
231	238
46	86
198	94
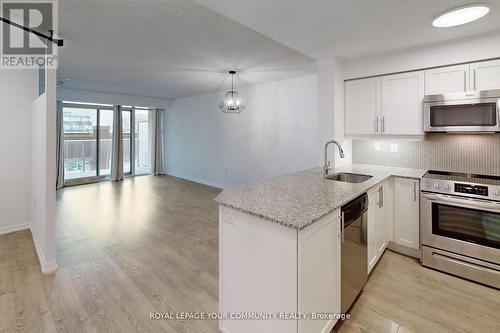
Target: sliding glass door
80	142
105	142
88	141
143	141
137	140
88	131
127	122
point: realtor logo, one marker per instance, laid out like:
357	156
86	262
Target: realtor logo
27	30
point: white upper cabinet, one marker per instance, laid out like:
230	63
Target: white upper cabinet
393	104
447	79
406	212
486	75
402	98
362	106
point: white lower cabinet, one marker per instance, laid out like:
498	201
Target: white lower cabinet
406	213
265	267
393	218
319	273
379	215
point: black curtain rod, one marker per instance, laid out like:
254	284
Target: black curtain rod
58	42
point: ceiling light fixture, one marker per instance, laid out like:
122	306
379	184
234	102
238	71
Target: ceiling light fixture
460	15
232	102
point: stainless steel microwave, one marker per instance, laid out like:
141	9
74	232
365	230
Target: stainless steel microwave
477	111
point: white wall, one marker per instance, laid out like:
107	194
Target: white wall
276	134
440	54
89	96
43	174
18	89
331	111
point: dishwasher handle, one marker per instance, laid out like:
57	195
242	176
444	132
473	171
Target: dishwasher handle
342	226
355	208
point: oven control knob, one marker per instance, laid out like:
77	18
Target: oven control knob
447	187
438	186
496	193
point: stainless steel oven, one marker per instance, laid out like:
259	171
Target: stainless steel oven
463	112
460	227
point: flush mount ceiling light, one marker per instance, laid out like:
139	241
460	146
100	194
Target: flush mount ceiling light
232	102
460	15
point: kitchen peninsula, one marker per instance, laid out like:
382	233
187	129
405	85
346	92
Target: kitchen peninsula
280	242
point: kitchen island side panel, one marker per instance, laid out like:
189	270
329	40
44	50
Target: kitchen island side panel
257	272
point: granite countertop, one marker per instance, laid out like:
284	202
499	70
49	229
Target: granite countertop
299	199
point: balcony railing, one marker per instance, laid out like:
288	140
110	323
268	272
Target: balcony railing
80	158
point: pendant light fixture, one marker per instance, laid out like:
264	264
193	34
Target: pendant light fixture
232	102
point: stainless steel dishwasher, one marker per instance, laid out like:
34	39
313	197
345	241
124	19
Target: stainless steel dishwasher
354	250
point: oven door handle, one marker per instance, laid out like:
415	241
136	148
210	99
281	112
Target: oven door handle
462	202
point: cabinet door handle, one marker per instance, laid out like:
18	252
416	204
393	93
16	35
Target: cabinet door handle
342	227
475	78
414	191
382	190
383	124
381	197
376	124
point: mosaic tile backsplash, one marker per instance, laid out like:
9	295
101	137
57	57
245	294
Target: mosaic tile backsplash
470	153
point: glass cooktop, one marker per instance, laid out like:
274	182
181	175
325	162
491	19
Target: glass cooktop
463	177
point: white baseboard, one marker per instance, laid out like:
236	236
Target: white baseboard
47	267
196	180
14	228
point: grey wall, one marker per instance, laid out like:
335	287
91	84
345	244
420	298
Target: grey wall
276	134
470	153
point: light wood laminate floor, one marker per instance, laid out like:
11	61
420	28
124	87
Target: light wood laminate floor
151	244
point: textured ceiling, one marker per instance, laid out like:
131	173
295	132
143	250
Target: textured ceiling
166	49
352	28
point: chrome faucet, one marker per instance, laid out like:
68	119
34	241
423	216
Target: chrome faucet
326	166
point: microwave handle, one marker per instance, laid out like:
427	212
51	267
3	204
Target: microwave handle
498	112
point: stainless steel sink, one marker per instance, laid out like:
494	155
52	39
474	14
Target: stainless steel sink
348	177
